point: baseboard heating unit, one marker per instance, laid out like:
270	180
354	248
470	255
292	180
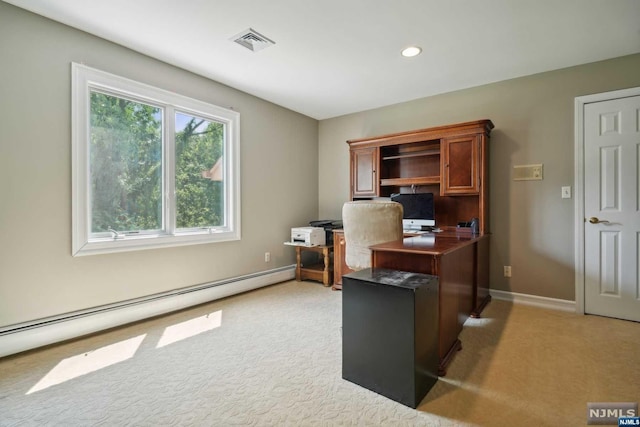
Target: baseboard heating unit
29	335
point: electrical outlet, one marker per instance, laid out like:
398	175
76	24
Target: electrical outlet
267	256
507	271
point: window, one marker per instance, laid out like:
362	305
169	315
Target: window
151	168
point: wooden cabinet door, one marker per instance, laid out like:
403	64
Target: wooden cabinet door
460	166
339	264
364	171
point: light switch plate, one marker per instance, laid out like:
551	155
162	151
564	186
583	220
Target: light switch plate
566	192
527	172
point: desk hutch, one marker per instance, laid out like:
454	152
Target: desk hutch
452	162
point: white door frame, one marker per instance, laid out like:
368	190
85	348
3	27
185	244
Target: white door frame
579	217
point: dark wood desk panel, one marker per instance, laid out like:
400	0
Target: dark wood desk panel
340	266
482	296
456	260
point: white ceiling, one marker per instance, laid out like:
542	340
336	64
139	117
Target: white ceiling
334	57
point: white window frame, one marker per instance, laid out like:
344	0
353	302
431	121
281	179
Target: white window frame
85	79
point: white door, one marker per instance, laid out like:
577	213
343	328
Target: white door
612	208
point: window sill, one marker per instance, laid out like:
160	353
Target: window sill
128	243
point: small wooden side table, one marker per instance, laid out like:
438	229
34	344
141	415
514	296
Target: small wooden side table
321	271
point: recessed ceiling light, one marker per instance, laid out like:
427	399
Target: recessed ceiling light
411	51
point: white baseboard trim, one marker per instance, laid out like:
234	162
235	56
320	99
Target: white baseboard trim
29	335
534	300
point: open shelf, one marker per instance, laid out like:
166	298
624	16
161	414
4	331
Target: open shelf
313	268
430	152
419	180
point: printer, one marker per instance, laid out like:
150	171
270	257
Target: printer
329	225
308	236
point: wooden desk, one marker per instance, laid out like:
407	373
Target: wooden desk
340	267
461	263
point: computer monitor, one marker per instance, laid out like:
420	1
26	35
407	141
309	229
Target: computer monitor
418	210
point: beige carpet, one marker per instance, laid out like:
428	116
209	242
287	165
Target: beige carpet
273	357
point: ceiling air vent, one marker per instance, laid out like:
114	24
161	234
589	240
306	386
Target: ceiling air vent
252	40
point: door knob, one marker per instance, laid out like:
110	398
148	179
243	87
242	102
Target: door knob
595	220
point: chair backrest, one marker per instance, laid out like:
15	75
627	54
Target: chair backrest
367	223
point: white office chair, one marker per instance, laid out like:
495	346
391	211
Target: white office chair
367	223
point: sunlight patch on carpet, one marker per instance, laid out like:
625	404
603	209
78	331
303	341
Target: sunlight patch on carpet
85	363
478	322
190	328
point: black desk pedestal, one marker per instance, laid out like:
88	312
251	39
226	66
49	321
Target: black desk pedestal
390	333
